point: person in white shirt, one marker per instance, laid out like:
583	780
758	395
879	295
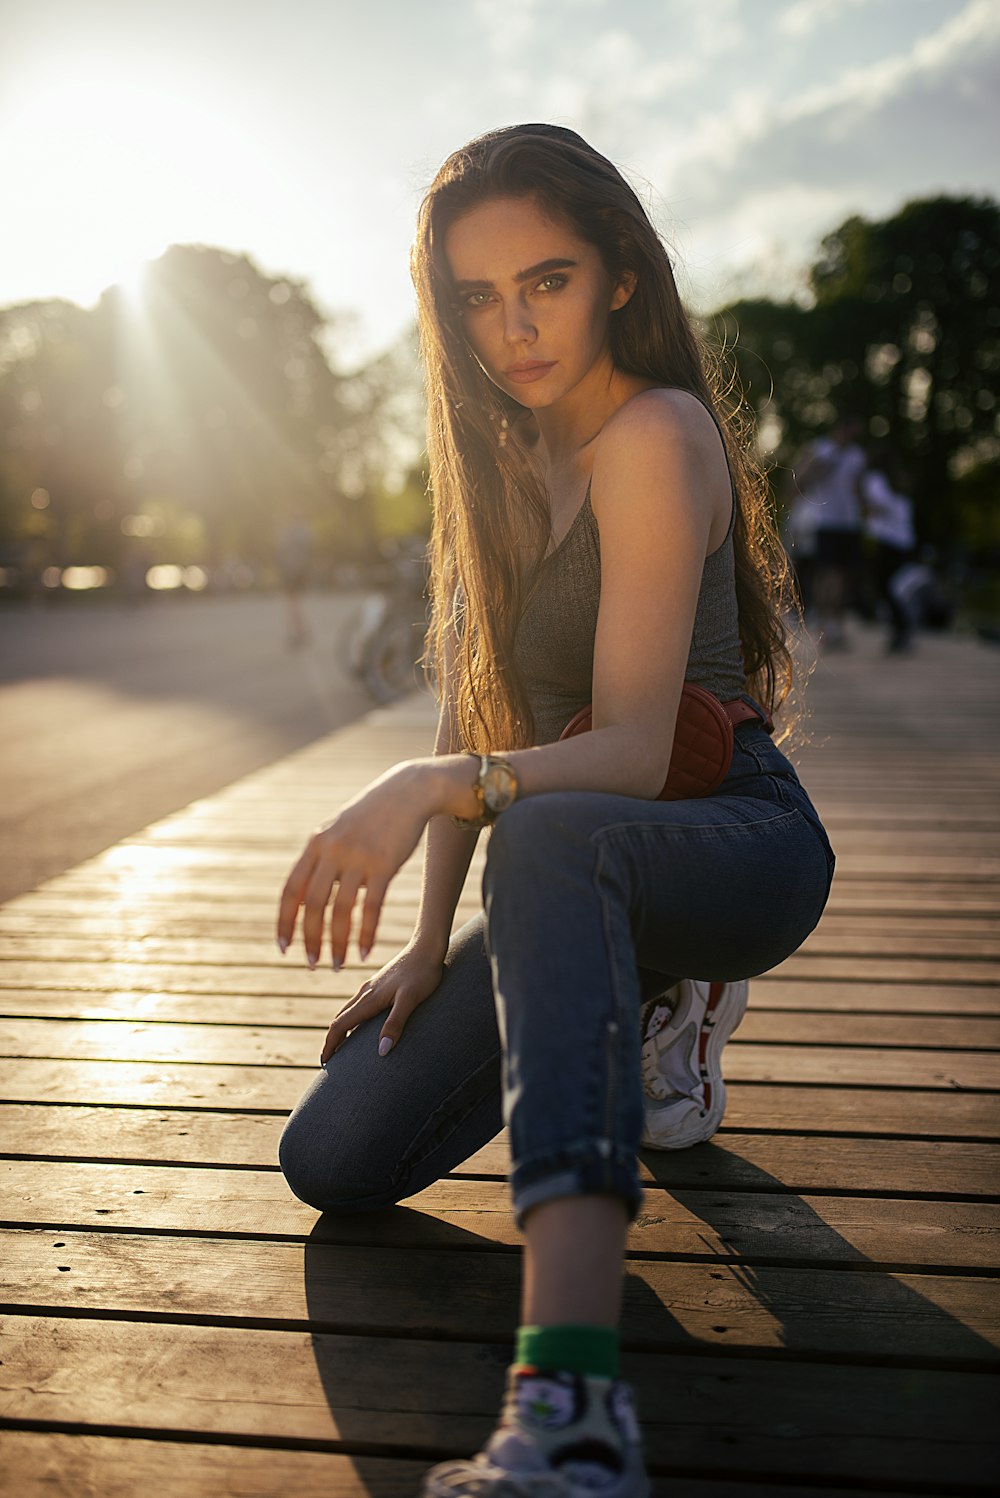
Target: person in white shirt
829	480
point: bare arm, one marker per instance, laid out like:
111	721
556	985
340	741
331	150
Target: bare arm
447	854
414	973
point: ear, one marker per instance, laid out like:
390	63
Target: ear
623	291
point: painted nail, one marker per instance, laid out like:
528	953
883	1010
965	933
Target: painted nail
363	953
322	1062
385	1045
282	945
338	963
312	962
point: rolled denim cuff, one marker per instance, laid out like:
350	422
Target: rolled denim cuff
592	1168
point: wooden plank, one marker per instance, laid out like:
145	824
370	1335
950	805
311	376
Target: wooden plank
764	1026
897	1067
43	1465
931	1113
150	1134
473	1295
970	1055
862	997
441	1397
62	898
687	1221
46	1465
971	843
231	882
920	930
258	974
133	941
769	995
759	1162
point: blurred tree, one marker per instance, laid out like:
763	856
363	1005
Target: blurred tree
904	329
225	389
56	476
199	408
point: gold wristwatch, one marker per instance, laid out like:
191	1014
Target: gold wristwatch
495	786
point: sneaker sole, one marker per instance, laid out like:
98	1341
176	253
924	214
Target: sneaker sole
679	1128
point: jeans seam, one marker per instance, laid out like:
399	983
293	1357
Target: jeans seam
611	1051
685	829
410	1161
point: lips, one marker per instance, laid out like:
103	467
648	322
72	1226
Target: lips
528	371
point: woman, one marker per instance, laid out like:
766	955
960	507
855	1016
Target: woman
596	538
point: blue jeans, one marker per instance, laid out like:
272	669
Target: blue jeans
592	903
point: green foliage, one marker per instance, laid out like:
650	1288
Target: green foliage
405	510
189	422
904	331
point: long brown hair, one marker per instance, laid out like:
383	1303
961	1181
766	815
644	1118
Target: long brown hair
489	504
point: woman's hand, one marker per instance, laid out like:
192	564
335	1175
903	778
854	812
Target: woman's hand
364	846
400	986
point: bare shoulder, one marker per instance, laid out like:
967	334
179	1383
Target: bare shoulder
660	426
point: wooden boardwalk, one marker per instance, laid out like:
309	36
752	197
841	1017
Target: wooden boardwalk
811	1302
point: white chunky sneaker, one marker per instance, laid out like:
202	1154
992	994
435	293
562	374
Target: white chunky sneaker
553	1442
684	1032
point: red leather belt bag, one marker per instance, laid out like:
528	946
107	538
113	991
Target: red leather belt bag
703	741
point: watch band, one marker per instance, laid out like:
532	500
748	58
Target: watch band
487	814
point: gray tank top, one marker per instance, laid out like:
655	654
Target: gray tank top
554	646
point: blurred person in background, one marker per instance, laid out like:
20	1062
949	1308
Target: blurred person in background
799	536
294	554
888	523
829	478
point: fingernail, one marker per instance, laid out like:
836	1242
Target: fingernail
363	953
385	1045
338	963
282	945
322	1062
312	962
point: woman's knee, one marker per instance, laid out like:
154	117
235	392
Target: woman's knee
326	1167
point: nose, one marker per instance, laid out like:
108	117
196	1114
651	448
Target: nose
517	324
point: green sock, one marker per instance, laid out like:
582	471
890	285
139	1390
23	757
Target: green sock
590	1350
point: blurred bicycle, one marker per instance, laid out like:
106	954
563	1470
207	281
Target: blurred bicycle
387	637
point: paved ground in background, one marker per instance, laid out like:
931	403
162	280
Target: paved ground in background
115	716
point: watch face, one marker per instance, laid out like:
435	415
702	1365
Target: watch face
499	787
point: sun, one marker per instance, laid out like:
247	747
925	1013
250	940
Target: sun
109	169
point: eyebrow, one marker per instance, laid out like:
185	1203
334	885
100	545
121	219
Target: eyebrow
541	269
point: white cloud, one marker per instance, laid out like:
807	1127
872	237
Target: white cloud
866	88
803	17
762	182
509	25
860	127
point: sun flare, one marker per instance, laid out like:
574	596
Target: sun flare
110	169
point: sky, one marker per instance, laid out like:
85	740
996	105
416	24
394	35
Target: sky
303	132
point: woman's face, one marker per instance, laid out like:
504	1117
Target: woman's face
535	300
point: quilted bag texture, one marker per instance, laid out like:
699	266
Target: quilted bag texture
703	744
